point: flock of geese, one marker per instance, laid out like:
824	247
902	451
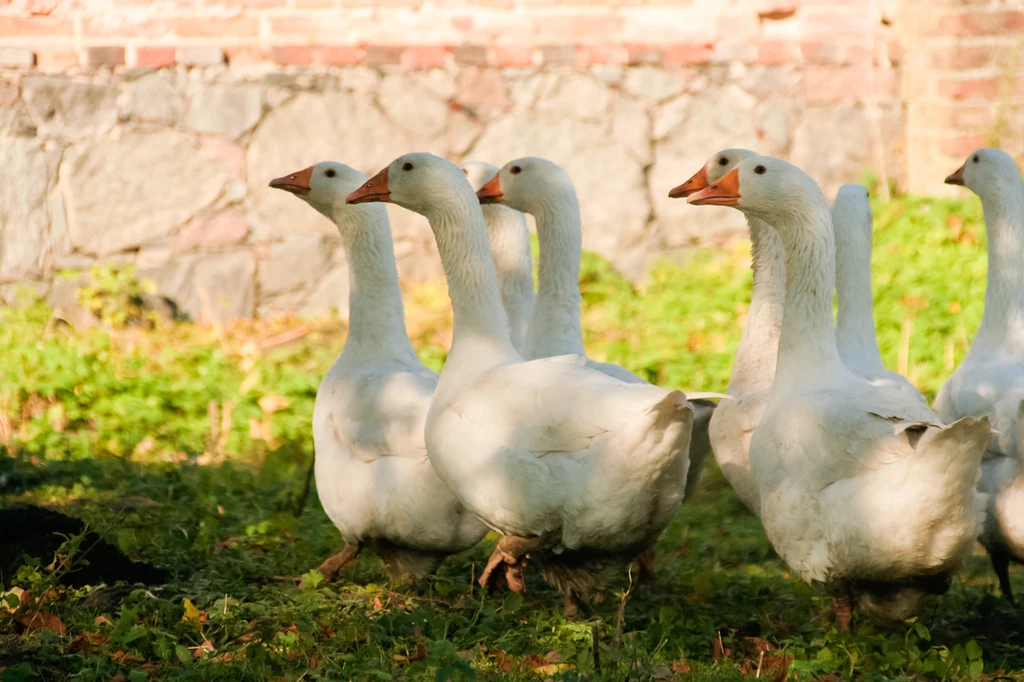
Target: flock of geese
580	465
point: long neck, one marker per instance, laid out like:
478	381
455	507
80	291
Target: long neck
807	347
555	328
855	323
754	365
510	246
480	335
376	314
1002	323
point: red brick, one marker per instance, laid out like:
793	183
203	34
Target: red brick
828	25
964	57
965	117
558	54
856	54
245	55
308	28
464	24
299	55
821	52
895	51
969	88
199	55
580	29
777	52
34	26
510	56
587	55
153	57
643	54
51	61
734	51
474	55
687	53
979	22
102	56
382	54
963	145
425	56
338	55
215	27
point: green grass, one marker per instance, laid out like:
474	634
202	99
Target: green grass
123	428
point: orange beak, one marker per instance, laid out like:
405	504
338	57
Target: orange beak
725	192
490	193
698	182
374	189
957	178
296	183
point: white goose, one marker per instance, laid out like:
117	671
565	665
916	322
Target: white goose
581	470
862	488
990	380
753	368
855	322
372	472
545	191
510	246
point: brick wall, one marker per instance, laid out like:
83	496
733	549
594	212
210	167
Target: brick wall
965	84
146	131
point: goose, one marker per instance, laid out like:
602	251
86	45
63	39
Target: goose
863	489
372	473
855	323
753	368
990	380
576	469
510	245
545	191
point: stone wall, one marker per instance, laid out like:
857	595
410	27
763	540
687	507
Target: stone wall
146	132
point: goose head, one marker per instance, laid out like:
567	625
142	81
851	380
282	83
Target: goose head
777	192
852	207
986	172
478	173
526	184
717	166
420	182
324	185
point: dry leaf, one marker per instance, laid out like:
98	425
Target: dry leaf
37	620
718	650
680	667
191	612
101	620
85	640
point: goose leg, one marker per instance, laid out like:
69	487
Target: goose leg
645	564
1001	565
570	605
332	565
842	604
511	550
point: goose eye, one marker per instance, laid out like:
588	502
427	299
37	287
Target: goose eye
516	170
407	166
723	161
760	170
330	172
976	159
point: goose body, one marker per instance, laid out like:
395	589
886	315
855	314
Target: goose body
510	246
863	489
579	470
990	380
753	371
544	190
855	324
373	475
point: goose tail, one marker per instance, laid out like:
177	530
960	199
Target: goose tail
948	462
